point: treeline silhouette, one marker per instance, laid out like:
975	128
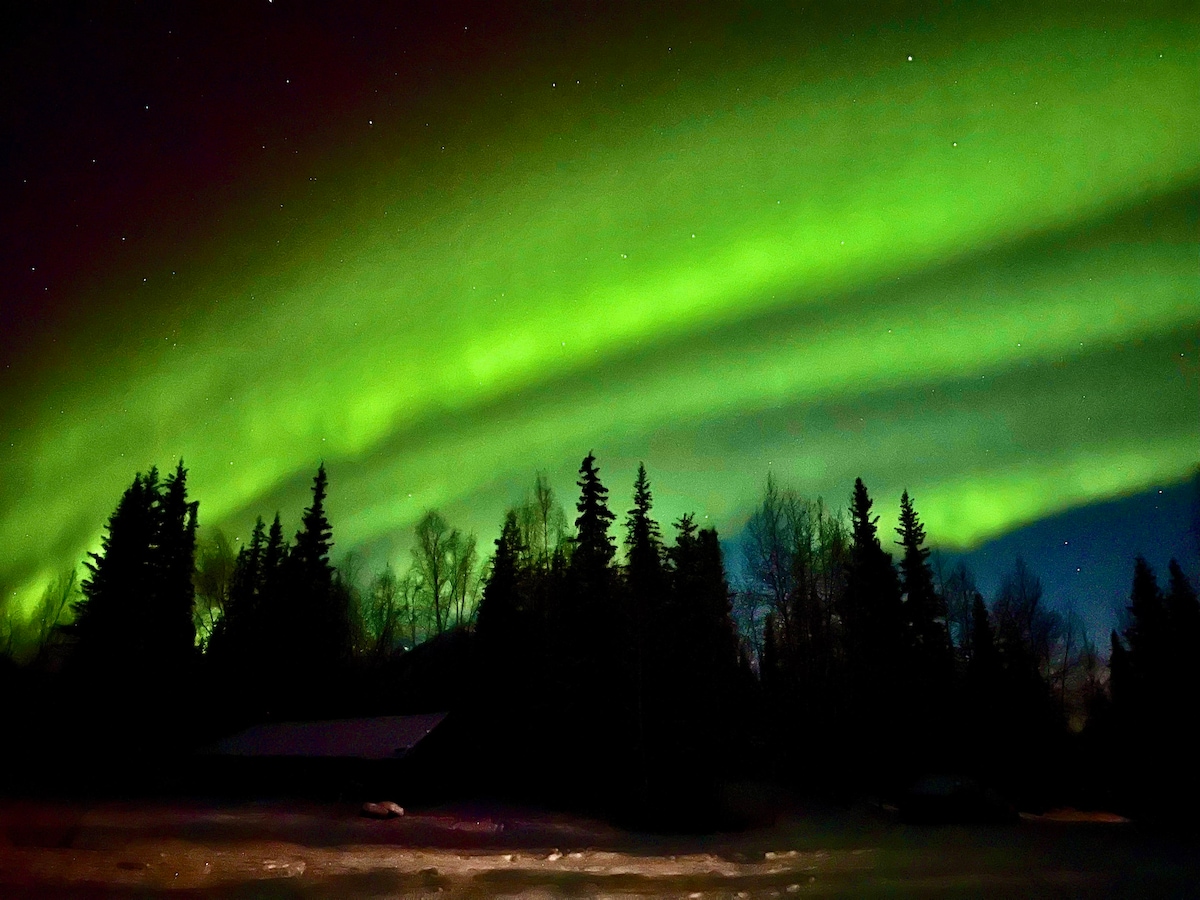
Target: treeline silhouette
628	682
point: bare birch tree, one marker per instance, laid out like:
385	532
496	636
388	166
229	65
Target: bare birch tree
215	561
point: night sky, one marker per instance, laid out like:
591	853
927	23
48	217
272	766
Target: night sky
946	247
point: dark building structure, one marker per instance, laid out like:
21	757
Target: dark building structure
405	758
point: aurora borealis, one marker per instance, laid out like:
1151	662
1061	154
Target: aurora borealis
947	247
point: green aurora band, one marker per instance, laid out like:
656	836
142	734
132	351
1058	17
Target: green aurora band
972	274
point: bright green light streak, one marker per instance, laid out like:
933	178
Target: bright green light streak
795	189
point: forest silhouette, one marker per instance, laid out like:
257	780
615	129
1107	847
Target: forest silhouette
608	666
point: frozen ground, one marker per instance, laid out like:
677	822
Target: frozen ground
282	850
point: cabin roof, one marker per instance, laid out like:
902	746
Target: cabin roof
381	737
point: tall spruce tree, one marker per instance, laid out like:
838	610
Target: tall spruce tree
594	549
702	622
176	565
591	645
873	620
497	623
1152	682
591	620
873	635
234	637
1148	638
1158	675
134	632
645	585
109	629
314	540
509	658
274	553
1183	609
275	619
317	611
924	608
1183	623
643	538
650	658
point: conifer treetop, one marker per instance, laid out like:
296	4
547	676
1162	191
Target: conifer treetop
593	542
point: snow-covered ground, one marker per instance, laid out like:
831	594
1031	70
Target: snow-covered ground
153	849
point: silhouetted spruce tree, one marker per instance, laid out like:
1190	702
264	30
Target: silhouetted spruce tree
643	538
237	653
925	611
684	612
591	649
108	631
716	635
701	613
133	633
1183	628
591	570
702	648
274	553
248	571
509	657
1148	638
175	624
310	551
498	620
930	662
1181	599
645	576
1183	610
873	633
594	549
234	637
1109	728
1152	682
318	618
273	634
683	554
650	645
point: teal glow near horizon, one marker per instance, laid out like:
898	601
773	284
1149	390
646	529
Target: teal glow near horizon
738	258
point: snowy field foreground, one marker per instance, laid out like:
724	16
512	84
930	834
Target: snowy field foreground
279	850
